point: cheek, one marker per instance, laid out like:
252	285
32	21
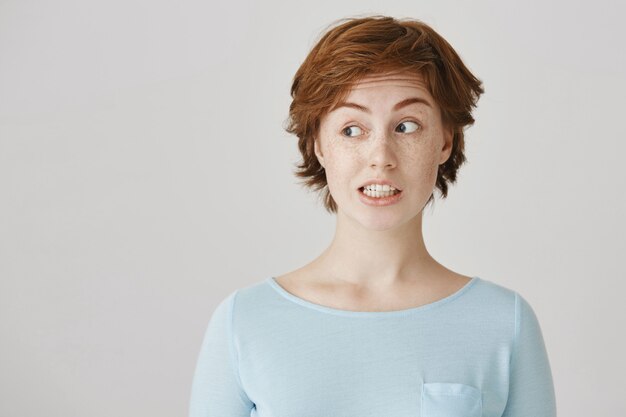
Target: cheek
420	168
341	170
337	171
338	155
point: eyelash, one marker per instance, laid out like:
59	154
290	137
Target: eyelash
419	128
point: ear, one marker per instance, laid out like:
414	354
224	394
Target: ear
446	150
318	151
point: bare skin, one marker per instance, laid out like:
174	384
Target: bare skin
305	283
377	260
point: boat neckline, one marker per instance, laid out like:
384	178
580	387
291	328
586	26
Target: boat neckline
271	281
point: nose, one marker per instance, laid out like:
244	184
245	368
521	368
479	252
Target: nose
381	153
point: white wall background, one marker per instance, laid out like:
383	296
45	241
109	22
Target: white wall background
145	174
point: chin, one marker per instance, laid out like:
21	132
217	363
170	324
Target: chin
380	222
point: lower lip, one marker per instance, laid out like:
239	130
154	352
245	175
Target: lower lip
379	201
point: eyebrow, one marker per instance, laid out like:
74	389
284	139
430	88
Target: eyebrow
398	106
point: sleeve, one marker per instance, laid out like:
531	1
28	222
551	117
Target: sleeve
216	388
531	389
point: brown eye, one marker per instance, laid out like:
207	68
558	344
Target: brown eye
409	129
351	129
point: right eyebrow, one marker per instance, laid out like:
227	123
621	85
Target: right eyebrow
398	106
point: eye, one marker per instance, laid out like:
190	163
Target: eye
409	130
351	129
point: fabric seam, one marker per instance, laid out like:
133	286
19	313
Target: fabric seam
233	351
516	329
478	397
371	314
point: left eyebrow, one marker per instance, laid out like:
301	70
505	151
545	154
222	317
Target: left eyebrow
398	106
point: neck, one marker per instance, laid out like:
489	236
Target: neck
369	258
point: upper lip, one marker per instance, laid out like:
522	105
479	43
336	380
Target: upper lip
381	182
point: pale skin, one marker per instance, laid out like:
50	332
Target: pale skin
377	260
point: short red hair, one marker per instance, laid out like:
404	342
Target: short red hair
354	47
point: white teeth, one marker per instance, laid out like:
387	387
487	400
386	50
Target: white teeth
379	194
379	187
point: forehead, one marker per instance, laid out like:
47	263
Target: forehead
396	79
397	89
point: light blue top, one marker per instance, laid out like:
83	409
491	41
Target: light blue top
269	353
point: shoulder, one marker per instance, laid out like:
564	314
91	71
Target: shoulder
490	290
497	303
499	293
500	304
503	297
251	301
239	301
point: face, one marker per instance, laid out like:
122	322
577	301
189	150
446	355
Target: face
379	133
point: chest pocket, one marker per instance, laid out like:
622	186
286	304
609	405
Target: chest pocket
449	399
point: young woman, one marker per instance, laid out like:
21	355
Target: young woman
375	326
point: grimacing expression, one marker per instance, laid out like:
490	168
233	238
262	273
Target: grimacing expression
389	127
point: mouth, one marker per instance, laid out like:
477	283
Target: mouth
379	199
381	194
